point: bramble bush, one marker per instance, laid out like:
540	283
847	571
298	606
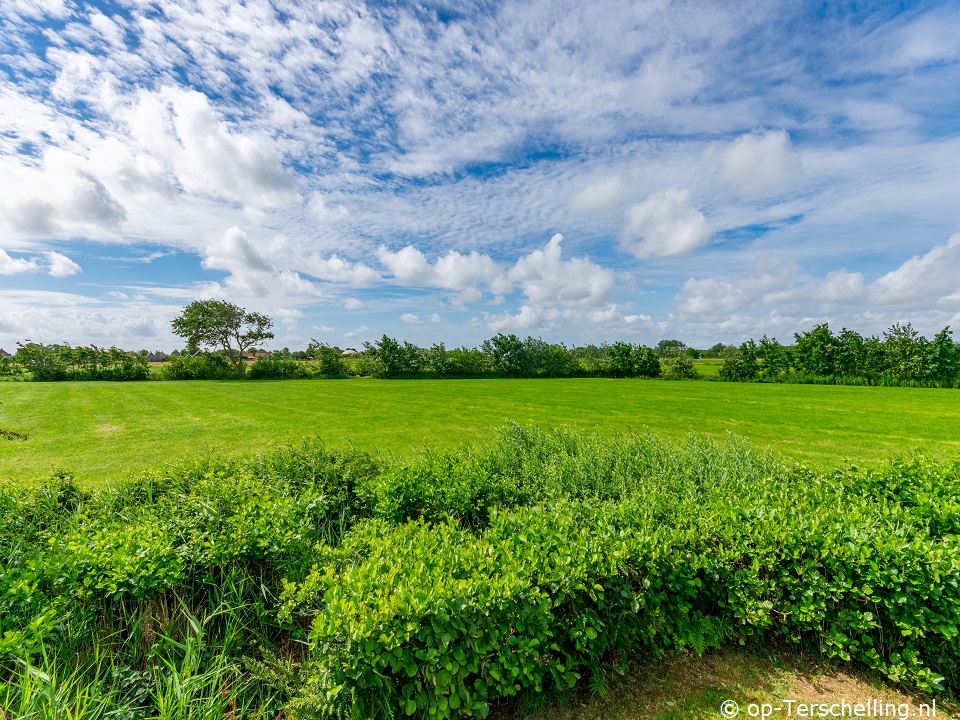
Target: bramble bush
334	584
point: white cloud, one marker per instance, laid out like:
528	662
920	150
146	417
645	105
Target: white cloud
561	293
236	253
546	278
922	280
772	295
210	158
336	269
11	266
54	317
758	164
53	263
711	300
666	223
324	212
411	319
60	265
435	318
600	198
452	271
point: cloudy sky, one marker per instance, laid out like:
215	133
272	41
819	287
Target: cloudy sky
579	171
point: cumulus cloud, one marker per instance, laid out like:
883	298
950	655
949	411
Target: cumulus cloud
666	223
562	292
772	294
11	266
207	156
923	279
248	262
336	269
53	263
713	300
59	265
758	164
546	278
452	271
411	319
236	253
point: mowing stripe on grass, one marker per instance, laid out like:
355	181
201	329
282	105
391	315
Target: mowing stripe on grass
103	430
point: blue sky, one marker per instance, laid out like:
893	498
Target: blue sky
575	171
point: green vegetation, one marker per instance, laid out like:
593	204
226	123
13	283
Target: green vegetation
903	357
103	430
51	363
335	584
221	324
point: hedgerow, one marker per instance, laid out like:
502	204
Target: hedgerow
337	584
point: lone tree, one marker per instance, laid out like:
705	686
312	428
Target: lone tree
218	323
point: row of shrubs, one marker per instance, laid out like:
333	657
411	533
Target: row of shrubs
63	363
331	584
819	356
500	356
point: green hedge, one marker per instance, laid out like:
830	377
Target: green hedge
546	593
439	585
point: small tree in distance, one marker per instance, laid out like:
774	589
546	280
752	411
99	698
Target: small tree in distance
218	323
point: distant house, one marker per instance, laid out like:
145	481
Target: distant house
349	352
157	356
4	353
175	353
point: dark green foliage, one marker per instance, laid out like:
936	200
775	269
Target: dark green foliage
670	347
680	364
206	366
277	367
626	360
221	324
391	359
458	363
508	355
438	585
742	365
328	360
51	363
902	358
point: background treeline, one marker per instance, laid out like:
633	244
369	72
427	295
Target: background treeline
500	356
902	357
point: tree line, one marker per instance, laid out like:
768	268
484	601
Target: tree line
219	335
901	357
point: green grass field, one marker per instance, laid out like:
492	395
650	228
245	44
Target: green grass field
102	430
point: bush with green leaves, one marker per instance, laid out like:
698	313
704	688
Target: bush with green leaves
278	368
330	583
53	363
205	366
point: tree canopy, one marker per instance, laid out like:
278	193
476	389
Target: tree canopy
221	324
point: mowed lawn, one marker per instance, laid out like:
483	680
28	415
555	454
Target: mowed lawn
104	430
